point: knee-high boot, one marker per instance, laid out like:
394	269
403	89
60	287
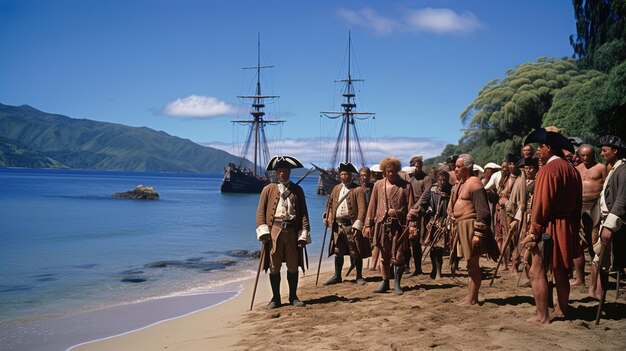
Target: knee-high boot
292	278
417	256
275	283
358	263
384	285
397	289
335	279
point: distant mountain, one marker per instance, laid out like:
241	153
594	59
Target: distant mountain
32	138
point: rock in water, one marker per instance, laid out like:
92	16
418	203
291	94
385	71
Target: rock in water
141	192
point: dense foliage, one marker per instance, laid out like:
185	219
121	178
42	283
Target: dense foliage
584	96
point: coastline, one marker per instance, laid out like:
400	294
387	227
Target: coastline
218	326
348	316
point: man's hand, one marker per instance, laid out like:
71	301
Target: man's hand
528	243
391	212
301	243
476	240
366	232
412	232
513	225
265	238
325	222
606	234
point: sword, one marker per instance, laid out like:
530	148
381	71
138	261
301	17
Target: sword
258	272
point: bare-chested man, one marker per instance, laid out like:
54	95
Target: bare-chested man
593	175
472	219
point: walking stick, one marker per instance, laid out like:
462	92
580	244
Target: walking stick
507	241
258	272
617	287
429	247
319	265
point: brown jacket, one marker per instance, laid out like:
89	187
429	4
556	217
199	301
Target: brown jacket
267	208
355	201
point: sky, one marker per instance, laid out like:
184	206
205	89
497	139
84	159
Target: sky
176	66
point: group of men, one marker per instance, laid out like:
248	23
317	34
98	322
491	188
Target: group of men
538	212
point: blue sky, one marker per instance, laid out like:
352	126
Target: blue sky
176	66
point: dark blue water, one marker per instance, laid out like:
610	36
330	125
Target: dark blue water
67	246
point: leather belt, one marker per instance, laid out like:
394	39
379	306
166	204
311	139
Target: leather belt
344	221
285	224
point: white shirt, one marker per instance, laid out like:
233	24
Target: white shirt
342	209
285	209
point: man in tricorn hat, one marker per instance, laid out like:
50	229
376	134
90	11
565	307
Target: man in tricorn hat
346	215
613	202
282	222
556	210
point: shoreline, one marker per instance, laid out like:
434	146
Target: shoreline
216	326
348	316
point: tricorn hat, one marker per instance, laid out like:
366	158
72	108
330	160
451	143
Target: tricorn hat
284	161
528	161
554	139
511	158
347	167
610	140
576	141
492	165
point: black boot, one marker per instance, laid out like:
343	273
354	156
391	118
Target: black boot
358	263
275	283
439	262
292	278
335	279
384	286
433	262
417	257
397	289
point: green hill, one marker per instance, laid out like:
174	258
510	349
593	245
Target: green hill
32	138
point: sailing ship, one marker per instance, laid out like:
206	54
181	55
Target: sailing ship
237	177
347	147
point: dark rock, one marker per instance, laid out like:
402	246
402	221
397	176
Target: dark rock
133	280
244	253
163	264
141	192
226	262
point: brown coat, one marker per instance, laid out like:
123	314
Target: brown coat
267	208
557	204
355	201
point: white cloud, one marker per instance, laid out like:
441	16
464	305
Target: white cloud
433	20
196	106
369	19
441	21
307	150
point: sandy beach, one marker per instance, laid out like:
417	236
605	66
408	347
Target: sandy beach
352	317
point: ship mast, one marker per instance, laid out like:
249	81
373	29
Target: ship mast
348	113
258	121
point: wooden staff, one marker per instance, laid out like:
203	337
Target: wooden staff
507	241
319	265
258	272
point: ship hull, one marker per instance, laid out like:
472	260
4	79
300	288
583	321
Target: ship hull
240	182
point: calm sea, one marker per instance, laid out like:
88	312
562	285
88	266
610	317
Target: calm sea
74	260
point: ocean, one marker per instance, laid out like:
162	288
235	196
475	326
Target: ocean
78	265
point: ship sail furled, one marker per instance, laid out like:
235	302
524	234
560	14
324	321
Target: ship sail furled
238	179
347	147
